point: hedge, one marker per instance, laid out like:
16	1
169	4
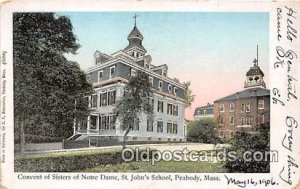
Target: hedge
67	162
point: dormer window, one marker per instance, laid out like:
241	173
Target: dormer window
97	60
170	88
133	72
165	72
175	90
151	81
160	85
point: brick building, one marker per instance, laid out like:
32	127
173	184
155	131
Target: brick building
246	110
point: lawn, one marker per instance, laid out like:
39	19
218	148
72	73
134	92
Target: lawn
175	167
105	160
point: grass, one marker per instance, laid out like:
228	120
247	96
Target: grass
175	167
106	160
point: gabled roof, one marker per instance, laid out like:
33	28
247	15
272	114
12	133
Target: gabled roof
251	92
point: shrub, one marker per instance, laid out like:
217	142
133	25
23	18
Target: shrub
202	131
250	142
65	162
69	161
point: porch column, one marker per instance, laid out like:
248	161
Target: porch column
97	123
88	123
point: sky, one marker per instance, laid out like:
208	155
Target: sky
213	50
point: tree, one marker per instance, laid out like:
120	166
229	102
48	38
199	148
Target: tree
189	97
136	100
46	84
253	142
202	131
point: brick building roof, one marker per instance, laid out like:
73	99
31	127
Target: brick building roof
251	92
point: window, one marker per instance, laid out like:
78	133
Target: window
170	88
261	119
231	134
165	72
204	112
222	108
169	127
248	107
160	106
221	133
159	126
151	81
242	107
160	85
231	120
149	124
82	125
107	122
86	101
151	101
231	107
112	72
112	119
100	75
107	98
175	90
248	121
261	104
133	72
94	100
136	124
221	121
93	122
242	121
111	97
98	60
103	122
175	110
170	109
175	128
103	99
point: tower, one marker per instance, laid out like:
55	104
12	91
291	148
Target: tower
255	75
135	38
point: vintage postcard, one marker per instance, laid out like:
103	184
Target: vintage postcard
142	94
